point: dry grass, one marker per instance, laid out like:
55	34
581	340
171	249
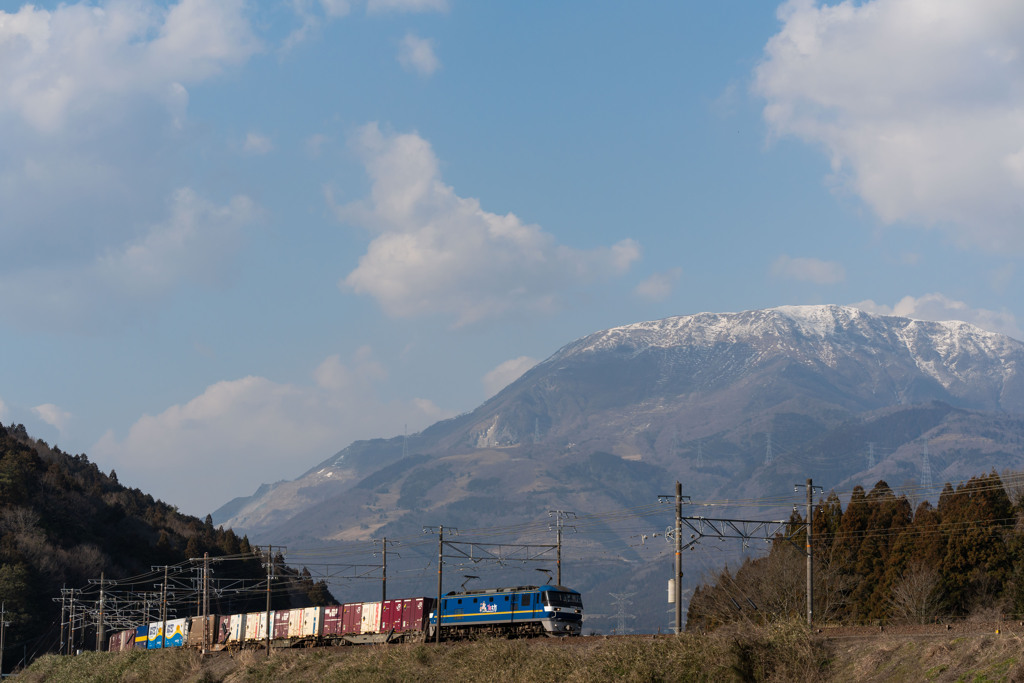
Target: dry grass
774	653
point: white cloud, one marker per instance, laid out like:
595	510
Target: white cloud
193	245
82	59
917	104
52	415
808	270
93	100
335	8
315	144
939	307
417	54
373	6
438	253
658	286
506	373
240	433
257	144
311	20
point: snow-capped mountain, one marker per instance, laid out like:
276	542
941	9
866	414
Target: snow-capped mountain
957	355
728	402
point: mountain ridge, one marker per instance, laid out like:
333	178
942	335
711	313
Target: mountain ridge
629	390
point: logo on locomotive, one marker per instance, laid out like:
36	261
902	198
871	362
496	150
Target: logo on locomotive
485	607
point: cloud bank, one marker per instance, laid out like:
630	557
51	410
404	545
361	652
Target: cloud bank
916	104
191	246
939	307
417	55
80	58
240	433
435	252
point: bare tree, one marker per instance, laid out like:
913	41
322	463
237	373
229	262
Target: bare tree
915	595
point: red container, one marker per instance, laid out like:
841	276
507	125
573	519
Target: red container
223	630
391	615
281	624
122	641
352	617
333	620
415	613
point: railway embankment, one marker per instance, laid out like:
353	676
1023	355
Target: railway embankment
775	653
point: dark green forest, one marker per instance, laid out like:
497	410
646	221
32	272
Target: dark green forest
64	523
882	559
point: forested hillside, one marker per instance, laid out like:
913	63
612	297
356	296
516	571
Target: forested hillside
881	559
63	523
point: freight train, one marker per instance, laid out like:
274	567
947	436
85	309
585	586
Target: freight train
518	611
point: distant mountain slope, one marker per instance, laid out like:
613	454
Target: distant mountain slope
672	392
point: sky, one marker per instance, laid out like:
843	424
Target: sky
236	236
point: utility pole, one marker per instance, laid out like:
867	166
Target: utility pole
678	578
206	602
440	566
559	515
270	577
163	611
3	633
810	548
63	612
100	630
679	559
71	624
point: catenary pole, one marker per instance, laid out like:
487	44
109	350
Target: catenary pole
810	553
679	559
440	564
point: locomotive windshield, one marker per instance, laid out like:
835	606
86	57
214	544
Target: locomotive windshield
562	599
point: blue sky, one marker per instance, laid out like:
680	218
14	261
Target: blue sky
239	235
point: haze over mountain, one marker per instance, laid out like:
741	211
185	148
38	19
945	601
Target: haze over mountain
691	396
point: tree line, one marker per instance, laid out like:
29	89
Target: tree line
64	522
881	559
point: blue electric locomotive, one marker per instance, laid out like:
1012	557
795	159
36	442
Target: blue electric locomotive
516	611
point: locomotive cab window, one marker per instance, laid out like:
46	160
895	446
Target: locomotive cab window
562	599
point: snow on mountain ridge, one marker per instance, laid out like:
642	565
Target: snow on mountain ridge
951	352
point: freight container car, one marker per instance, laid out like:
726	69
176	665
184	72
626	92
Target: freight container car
391	615
216	629
177	632
256	626
236	629
122	641
415	613
369	618
281	619
306	623
142	637
223	629
351	617
333	622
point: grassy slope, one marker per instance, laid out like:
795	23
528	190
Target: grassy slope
769	654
